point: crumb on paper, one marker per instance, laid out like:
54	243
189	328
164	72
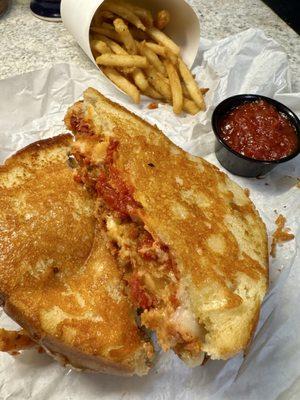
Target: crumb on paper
152	106
14	353
206	359
40	349
13	341
280	235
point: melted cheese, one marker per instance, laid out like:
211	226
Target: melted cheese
186	323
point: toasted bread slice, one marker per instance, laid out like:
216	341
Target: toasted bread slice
56	280
190	243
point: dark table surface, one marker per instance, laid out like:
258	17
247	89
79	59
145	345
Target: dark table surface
288	10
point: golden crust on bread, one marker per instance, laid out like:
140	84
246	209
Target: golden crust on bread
33	190
211	227
57	279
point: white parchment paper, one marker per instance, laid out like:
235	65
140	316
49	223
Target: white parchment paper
32	106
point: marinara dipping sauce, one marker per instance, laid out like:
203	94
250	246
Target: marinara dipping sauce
257	130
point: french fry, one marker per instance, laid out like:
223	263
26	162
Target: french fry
125	35
127	70
137	56
190	106
123	12
157	48
139	79
191	84
163	39
137	75
118	60
97	19
162	19
116	48
110	33
101	47
176	89
165	79
186	93
108	25
151	92
106	15
122	83
137	34
171	56
158	81
151	57
144	14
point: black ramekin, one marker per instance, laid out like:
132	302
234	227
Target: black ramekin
235	162
48	10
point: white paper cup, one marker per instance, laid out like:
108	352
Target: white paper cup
184	27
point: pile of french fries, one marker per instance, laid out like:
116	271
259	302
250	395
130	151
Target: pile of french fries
132	50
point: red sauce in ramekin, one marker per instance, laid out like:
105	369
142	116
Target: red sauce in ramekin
258	130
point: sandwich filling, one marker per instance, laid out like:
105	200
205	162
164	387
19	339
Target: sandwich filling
152	278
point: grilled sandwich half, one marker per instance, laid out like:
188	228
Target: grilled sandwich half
57	278
189	243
